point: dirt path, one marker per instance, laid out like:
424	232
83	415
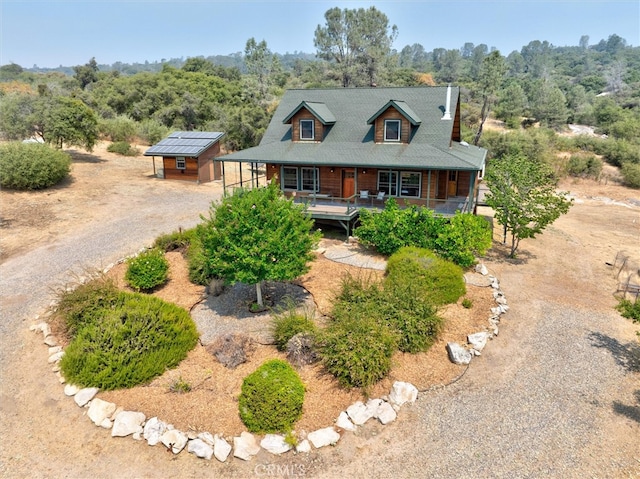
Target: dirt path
555	395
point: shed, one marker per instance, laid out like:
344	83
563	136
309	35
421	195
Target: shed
188	155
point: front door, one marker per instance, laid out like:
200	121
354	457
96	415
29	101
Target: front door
452	190
348	183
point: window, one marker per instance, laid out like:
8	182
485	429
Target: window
307	130
181	164
388	182
392	130
290	178
301	179
407	183
410	184
310	179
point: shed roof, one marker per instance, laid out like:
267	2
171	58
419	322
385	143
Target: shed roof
185	143
350	140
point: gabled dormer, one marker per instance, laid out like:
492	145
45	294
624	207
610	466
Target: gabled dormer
395	122
309	122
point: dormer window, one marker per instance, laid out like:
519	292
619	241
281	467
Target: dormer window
307	130
392	130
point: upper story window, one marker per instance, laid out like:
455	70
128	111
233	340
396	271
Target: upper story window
307	130
392	130
181	164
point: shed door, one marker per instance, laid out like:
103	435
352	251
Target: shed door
348	183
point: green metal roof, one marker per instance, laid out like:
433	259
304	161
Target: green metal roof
319	110
350	140
402	107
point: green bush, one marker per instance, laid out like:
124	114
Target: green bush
439	281
128	342
122	148
147	270
629	310
199	271
32	166
357	349
271	399
631	174
289	322
152	131
585	166
119	129
177	240
462	238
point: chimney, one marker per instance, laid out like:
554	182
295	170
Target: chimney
447	109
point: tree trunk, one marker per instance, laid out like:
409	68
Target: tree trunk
259	293
484	113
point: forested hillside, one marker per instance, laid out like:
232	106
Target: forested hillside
536	92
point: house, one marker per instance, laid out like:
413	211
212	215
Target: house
188	155
346	148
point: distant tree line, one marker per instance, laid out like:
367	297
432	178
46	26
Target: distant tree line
593	84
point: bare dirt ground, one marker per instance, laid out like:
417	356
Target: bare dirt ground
53	440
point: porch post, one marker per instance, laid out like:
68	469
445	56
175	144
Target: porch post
429	189
472	196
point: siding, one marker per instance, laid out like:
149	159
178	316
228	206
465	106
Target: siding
392	114
305	114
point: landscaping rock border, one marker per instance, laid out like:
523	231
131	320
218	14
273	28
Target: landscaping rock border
206	446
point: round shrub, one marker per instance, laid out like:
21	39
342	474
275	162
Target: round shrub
357	350
32	166
136	339
147	270
122	148
271	398
439	281
288	323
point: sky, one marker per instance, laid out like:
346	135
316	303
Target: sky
50	33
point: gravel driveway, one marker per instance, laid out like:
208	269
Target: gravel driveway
556	394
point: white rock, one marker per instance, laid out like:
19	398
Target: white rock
275	444
221	448
324	437
478	340
458	354
137	436
372	407
495	284
100	410
386	413
501	300
83	396
126	423
54	358
496	310
402	392
61	378
503	308
482	269
42	328
359	413
51	340
174	440
206	437
303	446
245	446
153	430
106	423
200	448
54	350
343	422
71	389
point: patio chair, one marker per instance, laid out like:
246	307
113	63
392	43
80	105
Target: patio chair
380	196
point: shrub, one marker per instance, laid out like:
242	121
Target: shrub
128	342
119	129
32	166
152	131
462	238
147	270
357	350
289	322
629	310
177	240
271	399
467	303
180	386
584	165
437	280
631	175
122	148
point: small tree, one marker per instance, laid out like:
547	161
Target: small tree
522	193
257	235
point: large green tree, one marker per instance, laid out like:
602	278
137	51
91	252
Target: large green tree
523	196
492	72
357	41
65	120
257	235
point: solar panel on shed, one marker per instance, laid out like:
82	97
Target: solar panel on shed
184	143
